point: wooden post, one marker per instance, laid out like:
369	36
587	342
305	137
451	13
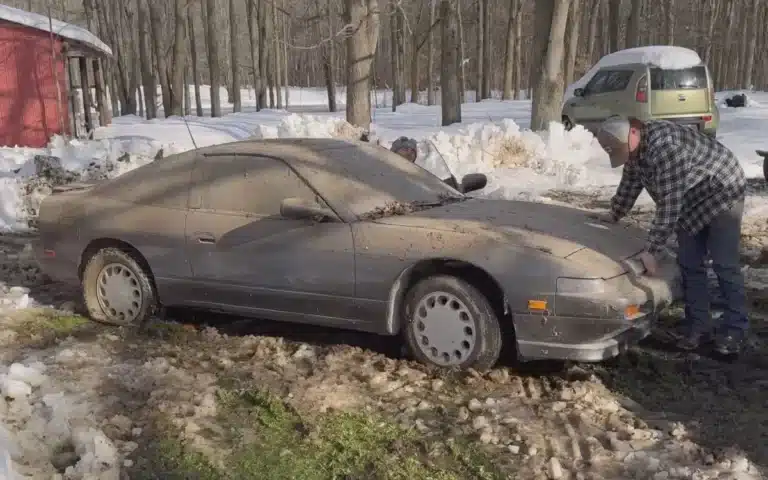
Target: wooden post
101	93
71	82
86	88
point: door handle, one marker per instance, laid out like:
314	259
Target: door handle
205	237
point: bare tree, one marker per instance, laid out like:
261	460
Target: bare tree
572	40
362	18
633	24
147	72
431	54
450	101
749	57
194	60
551	20
179	58
486	59
509	54
234	52
213	57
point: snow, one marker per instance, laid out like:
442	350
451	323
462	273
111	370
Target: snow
62	29
668	57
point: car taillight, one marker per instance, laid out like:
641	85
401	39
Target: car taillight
641	94
707	118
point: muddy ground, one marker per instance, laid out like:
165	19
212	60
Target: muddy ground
206	396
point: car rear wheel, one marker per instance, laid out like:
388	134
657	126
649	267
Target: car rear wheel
567	123
449	323
117	290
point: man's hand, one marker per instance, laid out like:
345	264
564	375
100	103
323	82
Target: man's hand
604	217
650	263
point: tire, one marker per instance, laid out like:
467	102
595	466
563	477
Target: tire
141	302
477	339
765	168
567	123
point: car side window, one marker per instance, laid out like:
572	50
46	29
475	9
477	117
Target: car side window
250	184
607	81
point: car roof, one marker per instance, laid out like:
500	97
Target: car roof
282	147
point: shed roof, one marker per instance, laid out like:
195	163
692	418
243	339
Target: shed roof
61	29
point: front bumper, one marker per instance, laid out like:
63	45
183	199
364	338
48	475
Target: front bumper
578	339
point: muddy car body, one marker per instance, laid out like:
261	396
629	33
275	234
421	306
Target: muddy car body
348	235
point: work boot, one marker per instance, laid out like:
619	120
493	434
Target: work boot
728	344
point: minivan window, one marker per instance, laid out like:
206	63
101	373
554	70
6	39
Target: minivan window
689	78
606	81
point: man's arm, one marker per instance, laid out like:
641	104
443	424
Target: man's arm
627	192
671	167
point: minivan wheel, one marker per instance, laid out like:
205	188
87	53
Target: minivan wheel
567	123
117	290
449	323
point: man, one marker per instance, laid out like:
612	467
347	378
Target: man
406	147
698	187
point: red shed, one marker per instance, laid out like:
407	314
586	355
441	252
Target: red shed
39	59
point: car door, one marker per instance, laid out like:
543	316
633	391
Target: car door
246	257
602	97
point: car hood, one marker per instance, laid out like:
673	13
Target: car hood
558	230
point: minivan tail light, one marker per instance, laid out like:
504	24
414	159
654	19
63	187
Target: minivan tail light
707	118
641	93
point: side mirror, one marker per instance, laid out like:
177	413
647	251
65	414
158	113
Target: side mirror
473	182
579	92
300	209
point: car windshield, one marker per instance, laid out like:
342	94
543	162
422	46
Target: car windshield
369	180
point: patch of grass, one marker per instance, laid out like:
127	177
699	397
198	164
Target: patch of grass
171	460
43	323
269	440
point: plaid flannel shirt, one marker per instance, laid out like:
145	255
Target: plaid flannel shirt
690	176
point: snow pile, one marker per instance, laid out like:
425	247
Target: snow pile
668	57
28	175
518	163
40	429
296	125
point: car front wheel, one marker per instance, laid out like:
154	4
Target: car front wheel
117	290
449	323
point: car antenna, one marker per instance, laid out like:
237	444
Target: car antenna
189	130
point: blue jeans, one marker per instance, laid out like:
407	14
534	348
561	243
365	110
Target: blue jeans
721	239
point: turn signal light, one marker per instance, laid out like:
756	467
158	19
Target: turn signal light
537	304
631	311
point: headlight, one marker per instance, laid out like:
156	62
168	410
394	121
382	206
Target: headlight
580	285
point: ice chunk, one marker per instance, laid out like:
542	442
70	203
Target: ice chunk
32	376
15	389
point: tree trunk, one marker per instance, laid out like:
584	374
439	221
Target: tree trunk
714	12
329	65
414	67
286	78
751	45
263	55
213	58
187	98
572	40
395	60
551	19
156	24
193	57
594	16
277	57
509	53
487	47
462	56
519	52
179	58
253	37
237	104
147	72
633	24
614	32
669	22
431	55
450	97
480	51
361	51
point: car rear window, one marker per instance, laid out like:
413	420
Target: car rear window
689	78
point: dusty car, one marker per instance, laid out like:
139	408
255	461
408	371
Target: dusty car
347	235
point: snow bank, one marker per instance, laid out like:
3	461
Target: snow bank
43	429
668	57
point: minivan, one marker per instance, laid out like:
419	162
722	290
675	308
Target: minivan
646	92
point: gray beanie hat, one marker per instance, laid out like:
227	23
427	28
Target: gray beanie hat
613	136
404	142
